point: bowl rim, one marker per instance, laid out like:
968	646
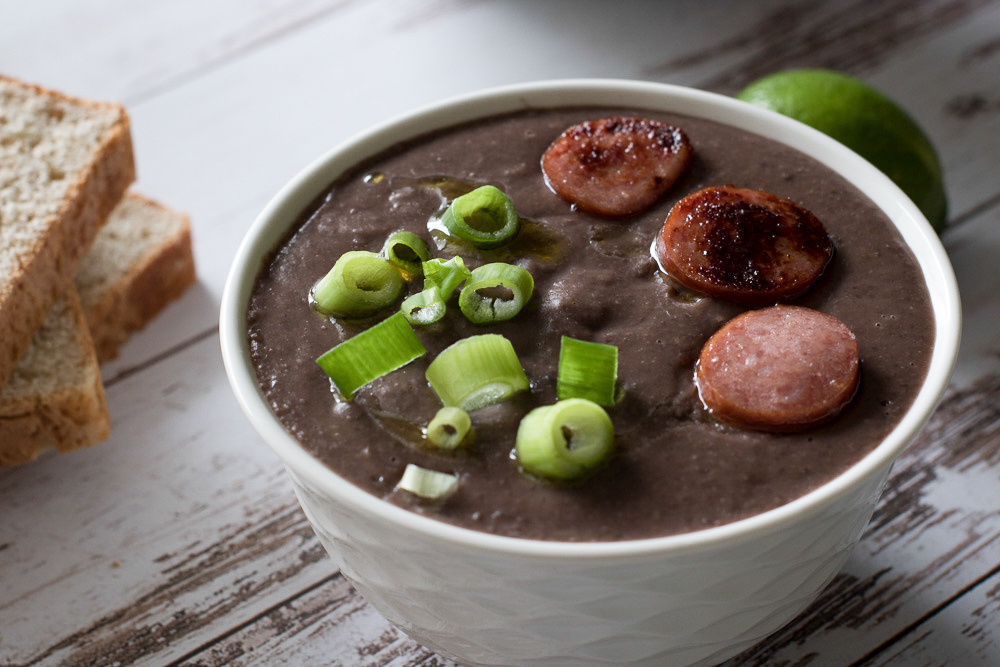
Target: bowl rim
285	207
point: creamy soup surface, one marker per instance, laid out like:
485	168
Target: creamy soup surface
674	469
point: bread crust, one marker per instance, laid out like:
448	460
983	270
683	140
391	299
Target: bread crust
48	267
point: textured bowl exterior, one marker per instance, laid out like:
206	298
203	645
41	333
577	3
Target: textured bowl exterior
697	606
685	599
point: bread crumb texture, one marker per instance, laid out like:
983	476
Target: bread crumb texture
50	363
44	138
136	230
54	399
140	261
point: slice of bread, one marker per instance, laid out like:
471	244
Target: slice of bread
54	398
141	260
64	165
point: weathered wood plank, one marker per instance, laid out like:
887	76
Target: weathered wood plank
949	82
157	540
116	49
179	540
938	59
973	249
965	632
935	533
328	623
847	36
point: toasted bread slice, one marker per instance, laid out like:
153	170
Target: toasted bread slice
54	398
141	260
64	165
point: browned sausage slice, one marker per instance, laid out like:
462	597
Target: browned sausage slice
616	166
742	245
782	368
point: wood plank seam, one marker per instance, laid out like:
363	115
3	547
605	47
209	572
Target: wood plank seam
206	646
964	431
921	620
161	357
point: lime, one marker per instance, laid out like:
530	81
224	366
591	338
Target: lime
864	120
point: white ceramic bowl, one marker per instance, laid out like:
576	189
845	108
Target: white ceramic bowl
486	599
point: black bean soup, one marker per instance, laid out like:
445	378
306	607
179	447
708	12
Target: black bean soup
675	469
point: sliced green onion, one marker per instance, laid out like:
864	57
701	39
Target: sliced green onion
407	251
566	440
429	484
445	275
423	308
477	371
495	292
360	283
587	370
440	280
375	352
484	217
449	428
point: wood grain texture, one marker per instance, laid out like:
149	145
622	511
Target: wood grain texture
974	248
179	540
178	525
934	537
847	36
326	622
937	59
130	51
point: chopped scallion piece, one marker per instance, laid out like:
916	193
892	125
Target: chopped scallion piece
360	283
375	352
587	370
484	217
440	280
423	308
566	440
495	292
449	428
477	371
445	275
407	251
429	484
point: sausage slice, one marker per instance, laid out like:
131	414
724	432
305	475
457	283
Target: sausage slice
782	368
616	166
746	246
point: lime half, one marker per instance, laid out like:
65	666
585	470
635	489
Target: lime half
865	121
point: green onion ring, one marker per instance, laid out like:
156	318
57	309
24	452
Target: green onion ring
477	371
428	484
484	217
445	275
566	440
407	251
449	428
423	308
484	298
440	280
359	284
587	370
387	346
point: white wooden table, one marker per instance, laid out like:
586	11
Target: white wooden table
179	541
